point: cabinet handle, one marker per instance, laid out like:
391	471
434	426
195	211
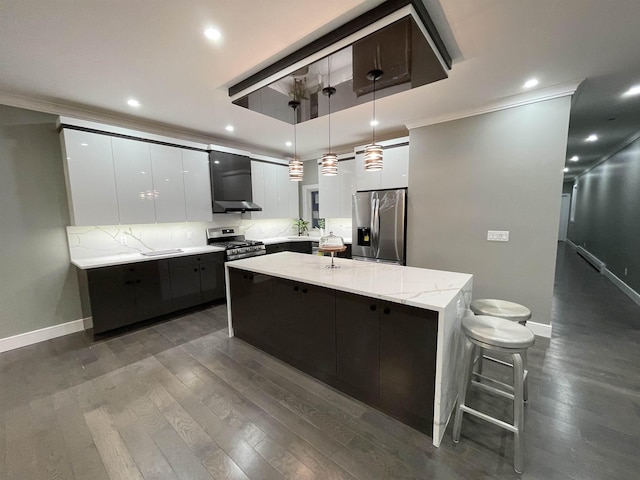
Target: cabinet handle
250	277
203	268
128	282
295	289
137	281
245	276
132	269
304	290
372	308
198	258
387	311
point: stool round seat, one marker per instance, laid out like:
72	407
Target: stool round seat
501	308
497	332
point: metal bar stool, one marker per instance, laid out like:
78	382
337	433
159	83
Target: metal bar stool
509	311
507	338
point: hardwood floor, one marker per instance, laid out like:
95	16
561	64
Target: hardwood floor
180	400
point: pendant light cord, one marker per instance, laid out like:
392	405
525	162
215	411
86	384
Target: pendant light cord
373	138
329	81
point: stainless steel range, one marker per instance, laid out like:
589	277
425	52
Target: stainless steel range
235	244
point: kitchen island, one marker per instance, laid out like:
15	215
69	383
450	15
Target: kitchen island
387	335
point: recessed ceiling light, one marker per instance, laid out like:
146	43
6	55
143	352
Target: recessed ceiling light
216	161
565	170
532	82
575	158
373	123
229	128
84	144
592	138
132	102
635	90
288	144
212	33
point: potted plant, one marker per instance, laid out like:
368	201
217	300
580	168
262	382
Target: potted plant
302	226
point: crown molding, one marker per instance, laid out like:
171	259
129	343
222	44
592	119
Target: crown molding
541	95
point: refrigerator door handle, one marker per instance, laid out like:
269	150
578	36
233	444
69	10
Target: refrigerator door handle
376	225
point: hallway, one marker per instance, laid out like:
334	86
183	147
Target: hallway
179	399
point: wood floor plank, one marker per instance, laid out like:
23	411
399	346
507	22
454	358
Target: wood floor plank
49	441
182	460
148	457
21	456
113	451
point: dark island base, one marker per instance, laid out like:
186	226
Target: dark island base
381	353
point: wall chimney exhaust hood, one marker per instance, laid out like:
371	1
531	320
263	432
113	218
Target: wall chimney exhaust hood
231	183
397	37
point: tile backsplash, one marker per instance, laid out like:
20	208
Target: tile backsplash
105	240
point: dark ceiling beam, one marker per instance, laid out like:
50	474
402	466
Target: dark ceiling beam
342	32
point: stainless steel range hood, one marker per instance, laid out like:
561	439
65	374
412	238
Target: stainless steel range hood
231	183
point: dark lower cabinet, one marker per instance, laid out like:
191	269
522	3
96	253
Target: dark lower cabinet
382	353
197	279
358	345
121	295
304	317
408	340
300	247
251	295
124	294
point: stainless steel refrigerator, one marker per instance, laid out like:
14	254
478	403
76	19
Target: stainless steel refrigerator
379	226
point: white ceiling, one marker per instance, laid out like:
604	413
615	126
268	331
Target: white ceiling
86	58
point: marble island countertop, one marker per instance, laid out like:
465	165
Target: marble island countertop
418	287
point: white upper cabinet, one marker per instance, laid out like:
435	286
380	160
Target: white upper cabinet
395	167
273	191
90	178
168	185
197	186
134	181
347	177
257	188
336	191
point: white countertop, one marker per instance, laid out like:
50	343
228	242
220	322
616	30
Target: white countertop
271	241
418	287
123	258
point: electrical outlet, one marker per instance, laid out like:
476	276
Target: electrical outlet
189	235
123	240
498	236
625	271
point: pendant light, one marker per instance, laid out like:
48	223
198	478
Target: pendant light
329	160
296	167
373	152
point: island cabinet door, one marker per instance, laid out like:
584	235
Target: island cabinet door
152	288
358	345
251	295
408	338
304	318
317	327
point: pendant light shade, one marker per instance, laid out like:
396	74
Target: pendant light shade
329	164
373	152
296	167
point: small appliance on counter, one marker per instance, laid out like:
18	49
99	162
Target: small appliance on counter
333	244
379	226
235	245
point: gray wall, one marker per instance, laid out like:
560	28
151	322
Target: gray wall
497	171
310	178
38	287
606	222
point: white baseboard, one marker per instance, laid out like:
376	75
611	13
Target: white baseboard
626	289
539	329
41	335
592	259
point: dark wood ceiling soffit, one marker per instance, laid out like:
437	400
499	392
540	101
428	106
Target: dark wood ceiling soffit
345	30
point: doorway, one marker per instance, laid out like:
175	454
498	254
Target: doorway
565	207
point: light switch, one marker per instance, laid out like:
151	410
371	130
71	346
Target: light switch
498	236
